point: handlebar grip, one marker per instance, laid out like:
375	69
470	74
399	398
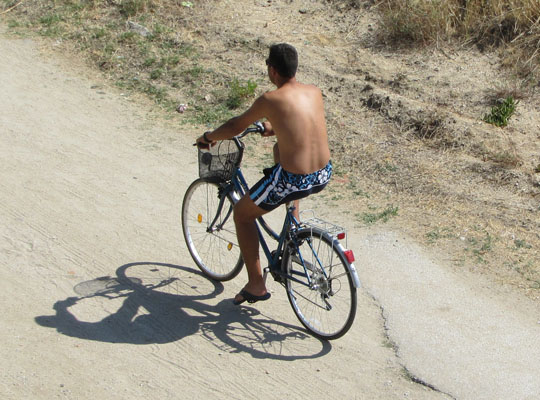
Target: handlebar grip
260	127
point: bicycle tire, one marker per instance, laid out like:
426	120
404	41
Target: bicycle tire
327	309
215	251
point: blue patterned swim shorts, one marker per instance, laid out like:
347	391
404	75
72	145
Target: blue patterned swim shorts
279	186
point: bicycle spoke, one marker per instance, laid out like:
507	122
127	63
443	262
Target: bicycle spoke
307	299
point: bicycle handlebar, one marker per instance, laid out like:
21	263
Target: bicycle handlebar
257	127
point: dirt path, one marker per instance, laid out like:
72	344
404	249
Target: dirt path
90	191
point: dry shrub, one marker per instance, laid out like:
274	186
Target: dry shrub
505	90
513	25
429	127
416	21
437	131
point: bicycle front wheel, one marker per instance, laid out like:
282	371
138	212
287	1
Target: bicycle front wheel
326	302
209	231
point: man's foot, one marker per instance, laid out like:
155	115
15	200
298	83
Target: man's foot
244	295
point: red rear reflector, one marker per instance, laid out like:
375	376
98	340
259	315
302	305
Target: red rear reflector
341	235
350	256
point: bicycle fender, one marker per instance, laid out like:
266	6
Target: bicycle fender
352	269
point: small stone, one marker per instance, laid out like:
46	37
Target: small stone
139	29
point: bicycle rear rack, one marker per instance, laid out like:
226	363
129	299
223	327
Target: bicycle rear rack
335	231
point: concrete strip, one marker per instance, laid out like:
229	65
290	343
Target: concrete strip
450	329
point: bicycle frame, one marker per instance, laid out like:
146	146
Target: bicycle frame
237	188
309	261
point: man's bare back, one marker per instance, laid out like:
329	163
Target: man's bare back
296	114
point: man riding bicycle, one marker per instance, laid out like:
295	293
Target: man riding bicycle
294	113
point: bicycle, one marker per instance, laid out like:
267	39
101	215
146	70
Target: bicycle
317	272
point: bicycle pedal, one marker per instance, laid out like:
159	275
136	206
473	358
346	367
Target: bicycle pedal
265	274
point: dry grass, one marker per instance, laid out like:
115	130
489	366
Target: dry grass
513	25
146	46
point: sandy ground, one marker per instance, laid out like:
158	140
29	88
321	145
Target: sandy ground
91	185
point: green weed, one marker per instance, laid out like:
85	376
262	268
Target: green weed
50	19
522	244
501	113
194	72
172	60
109	49
159	30
149	62
386	167
238	92
130	8
384	216
156	74
438	234
13	24
356	191
127	37
480	247
99	33
339	169
186	50
210	116
51	25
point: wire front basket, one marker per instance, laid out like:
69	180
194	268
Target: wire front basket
219	162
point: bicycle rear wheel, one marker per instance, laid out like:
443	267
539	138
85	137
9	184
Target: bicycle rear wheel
327	305
210	232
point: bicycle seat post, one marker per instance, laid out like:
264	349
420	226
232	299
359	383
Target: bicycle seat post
293	222
290	206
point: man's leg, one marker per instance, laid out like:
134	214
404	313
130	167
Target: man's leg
245	214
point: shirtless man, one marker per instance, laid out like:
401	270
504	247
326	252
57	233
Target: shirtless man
295	115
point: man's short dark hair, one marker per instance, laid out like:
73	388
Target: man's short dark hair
284	58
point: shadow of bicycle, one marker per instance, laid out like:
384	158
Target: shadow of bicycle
157	303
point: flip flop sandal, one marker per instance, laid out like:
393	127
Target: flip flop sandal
250	298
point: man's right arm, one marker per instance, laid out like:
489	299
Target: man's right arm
238	124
